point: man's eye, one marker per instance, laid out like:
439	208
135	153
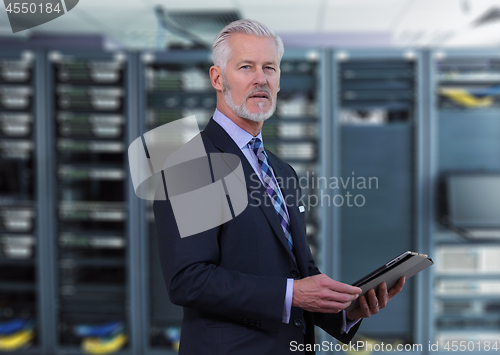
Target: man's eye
245	67
270	68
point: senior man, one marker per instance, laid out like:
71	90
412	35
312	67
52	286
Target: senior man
250	286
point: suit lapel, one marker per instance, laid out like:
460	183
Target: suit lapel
222	141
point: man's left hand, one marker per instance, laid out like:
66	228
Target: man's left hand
371	303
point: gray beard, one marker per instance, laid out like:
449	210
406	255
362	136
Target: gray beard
243	111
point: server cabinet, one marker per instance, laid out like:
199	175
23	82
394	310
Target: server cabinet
294	132
176	84
375	113
172	85
87	97
467	277
19	230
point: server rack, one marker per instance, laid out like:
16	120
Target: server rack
294	132
19	221
176	84
467	131
428	126
87	97
172	85
376	118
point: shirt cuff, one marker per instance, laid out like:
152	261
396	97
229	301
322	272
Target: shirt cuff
287	307
347	324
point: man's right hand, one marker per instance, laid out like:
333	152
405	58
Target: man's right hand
319	293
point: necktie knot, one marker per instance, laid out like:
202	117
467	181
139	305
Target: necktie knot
256	146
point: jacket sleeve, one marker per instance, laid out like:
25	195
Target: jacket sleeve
329	322
194	278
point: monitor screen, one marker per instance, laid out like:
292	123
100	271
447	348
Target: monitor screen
474	200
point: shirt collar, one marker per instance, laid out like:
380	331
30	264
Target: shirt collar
237	134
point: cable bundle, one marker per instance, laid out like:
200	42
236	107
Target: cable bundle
106	338
16	334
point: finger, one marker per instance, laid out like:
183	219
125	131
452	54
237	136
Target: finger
382	295
337	299
341	297
344	288
397	288
361	311
402	280
364	308
373	301
335	307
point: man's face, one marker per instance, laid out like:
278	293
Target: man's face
252	75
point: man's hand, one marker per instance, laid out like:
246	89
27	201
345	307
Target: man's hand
372	303
319	293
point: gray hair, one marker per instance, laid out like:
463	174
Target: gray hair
221	51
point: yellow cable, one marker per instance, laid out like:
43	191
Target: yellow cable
104	346
16	340
464	98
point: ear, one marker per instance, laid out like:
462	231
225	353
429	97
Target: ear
279	77
216	77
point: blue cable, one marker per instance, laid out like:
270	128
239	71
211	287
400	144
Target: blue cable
12	326
103	330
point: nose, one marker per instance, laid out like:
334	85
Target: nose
260	77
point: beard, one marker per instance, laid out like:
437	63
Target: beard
242	110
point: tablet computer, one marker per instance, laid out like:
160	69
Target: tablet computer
406	264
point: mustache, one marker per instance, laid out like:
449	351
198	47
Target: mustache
263	88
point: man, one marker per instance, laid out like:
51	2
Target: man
250	286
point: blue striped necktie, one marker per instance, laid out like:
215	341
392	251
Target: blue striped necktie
271	186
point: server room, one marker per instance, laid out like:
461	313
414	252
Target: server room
387	110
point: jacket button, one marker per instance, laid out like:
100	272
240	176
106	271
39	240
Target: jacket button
294	273
297	322
258	324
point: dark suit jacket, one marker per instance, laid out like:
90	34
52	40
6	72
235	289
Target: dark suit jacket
231	280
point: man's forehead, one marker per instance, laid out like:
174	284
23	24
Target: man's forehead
245	47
